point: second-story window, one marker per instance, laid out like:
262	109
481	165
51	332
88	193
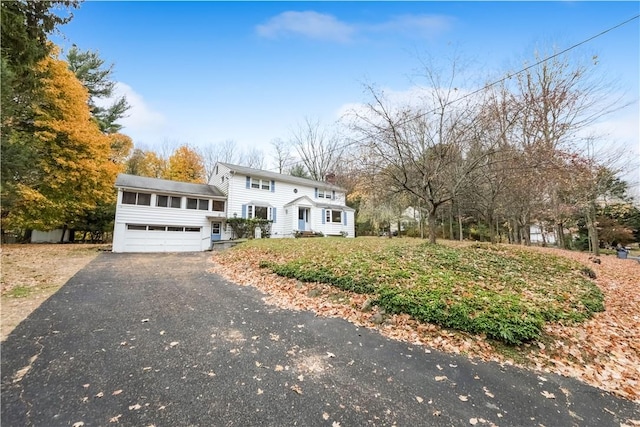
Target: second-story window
200	204
263	184
218	206
168	201
131	198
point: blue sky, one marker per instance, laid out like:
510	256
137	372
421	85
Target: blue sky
206	72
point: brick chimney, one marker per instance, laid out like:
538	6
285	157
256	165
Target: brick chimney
330	178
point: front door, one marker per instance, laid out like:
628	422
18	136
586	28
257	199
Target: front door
303	219
215	230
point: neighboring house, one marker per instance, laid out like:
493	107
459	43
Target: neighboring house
539	235
157	215
410	218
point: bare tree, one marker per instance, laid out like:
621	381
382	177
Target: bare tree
319	149
252	158
281	153
423	152
218	152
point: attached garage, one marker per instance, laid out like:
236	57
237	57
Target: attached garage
161	238
157	215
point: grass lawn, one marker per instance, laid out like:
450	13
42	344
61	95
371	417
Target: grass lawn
504	292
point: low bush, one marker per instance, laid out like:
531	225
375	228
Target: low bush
505	292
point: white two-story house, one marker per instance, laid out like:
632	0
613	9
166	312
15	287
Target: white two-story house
157	215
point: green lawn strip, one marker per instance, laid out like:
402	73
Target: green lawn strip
504	292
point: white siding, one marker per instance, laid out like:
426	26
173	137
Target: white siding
153	215
286	217
221	179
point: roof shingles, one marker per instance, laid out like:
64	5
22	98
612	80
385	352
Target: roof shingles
167	186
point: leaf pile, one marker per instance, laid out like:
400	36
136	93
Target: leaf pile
607	343
506	293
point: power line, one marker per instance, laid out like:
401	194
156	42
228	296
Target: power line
507	77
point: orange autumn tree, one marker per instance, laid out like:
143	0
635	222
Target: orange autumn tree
185	164
73	165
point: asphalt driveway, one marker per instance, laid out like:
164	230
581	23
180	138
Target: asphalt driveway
153	339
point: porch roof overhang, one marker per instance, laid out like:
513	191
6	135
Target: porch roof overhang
216	215
259	203
301	201
335	207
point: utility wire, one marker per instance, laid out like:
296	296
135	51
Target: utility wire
507	77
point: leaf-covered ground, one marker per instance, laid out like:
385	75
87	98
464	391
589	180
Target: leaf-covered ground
602	351
32	273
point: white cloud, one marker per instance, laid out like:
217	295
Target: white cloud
140	117
320	26
310	24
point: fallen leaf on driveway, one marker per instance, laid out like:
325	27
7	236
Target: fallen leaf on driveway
473	421
135	407
335	424
487	392
174	343
419	399
325	416
260	391
296	388
463	398
100	394
441	378
278	368
329	354
115	419
274	337
85	385
144	320
548	395
117	392
78	424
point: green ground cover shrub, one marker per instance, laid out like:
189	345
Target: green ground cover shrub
505	292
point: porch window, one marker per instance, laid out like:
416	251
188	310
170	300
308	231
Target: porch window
168	201
218	206
132	198
199	204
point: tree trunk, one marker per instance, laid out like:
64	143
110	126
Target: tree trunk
451	236
492	234
433	226
64	231
594	241
560	236
460	227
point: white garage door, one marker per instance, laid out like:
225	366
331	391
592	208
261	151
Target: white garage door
162	238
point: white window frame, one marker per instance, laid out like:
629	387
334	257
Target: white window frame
199	203
260	184
137	193
252	208
170	200
328	216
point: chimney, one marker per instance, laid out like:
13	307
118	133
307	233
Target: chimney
330	178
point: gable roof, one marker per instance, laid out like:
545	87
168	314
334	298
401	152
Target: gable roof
281	177
318	205
167	186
